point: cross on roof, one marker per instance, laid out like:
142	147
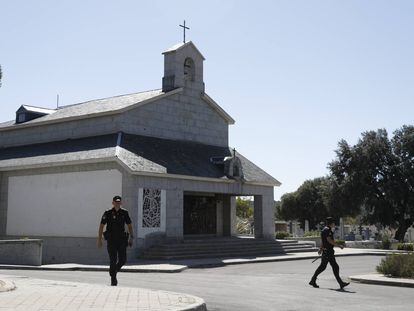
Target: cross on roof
184	28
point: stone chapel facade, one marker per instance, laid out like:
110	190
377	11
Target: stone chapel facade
165	151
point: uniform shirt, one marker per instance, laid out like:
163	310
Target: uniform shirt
327	232
115	222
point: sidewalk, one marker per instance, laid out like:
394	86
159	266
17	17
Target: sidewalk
39	295
379	279
173	266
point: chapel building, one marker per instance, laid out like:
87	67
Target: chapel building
164	151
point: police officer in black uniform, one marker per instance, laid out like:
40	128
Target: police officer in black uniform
115	235
328	254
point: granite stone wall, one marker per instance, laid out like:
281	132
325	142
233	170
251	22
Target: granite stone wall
184	116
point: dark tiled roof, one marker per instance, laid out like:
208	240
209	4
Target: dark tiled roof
93	107
178	157
59	147
139	153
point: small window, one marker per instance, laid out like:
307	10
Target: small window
189	69
21	117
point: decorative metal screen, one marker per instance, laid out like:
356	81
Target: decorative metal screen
151	208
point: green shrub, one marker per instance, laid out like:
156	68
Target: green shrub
313	233
340	242
281	235
385	243
397	265
405	247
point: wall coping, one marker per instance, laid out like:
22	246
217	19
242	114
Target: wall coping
22	241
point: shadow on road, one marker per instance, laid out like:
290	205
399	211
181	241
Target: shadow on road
342	290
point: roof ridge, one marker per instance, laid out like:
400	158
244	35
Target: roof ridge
92	100
38	107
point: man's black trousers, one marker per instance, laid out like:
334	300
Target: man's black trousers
117	255
328	257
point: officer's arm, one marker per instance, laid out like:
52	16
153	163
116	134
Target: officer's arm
130	230
100	231
332	242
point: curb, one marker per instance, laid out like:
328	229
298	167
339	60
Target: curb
380	279
214	263
94	268
264	260
199	305
6	286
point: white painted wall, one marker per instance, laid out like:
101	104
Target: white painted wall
67	204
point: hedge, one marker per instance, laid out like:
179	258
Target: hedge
397	265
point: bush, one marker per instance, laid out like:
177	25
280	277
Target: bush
385	243
340	242
313	233
281	235
397	265
405	247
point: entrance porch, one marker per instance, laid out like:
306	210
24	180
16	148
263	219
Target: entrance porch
214	215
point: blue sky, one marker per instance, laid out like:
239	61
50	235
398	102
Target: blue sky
297	76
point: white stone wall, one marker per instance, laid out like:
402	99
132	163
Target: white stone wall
61	205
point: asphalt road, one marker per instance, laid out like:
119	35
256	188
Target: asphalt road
260	286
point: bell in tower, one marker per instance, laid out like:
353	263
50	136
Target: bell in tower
183	67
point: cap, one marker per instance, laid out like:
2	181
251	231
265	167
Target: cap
329	220
117	198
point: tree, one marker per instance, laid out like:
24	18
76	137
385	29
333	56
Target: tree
278	205
375	176
244	208
309	202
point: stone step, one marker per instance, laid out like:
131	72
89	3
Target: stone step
177	247
236	241
232	247
211	250
227	254
221	252
213	245
209	255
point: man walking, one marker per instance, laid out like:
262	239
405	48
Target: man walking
328	254
115	235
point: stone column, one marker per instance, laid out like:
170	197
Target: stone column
219	218
3	204
175	214
264	224
229	215
306	226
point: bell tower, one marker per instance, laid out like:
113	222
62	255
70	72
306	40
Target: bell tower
183	67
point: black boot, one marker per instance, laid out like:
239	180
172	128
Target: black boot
344	284
313	283
114	281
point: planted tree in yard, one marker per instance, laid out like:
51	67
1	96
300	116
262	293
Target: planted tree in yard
244	208
376	176
306	203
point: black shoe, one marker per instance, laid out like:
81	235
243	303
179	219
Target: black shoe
313	283
114	281
344	284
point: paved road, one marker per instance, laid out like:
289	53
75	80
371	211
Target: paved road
260	287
